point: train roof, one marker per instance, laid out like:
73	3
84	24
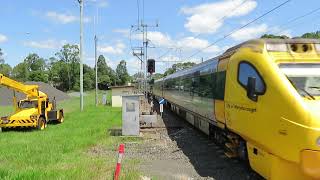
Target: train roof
234	48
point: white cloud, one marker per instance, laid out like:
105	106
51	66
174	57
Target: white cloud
46	44
207	18
157	38
3	38
108	49
64	18
191	43
250	32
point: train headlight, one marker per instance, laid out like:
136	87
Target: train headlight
318	141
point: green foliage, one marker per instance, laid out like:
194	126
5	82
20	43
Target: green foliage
271	36
312	35
88	77
20	72
69	54
33	68
5	69
38	76
34	62
122	73
157	76
1	57
178	67
106	75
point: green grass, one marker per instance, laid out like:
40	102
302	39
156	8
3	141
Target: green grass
79	148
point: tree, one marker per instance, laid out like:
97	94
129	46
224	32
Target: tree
102	65
178	67
271	36
137	76
4	68
35	68
122	73
34	62
106	75
157	76
88	77
20	72
1	56
59	74
312	35
69	54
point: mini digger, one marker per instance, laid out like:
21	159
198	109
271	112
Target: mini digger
34	111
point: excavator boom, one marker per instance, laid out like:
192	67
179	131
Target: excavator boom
29	90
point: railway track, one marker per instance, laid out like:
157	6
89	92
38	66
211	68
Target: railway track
176	150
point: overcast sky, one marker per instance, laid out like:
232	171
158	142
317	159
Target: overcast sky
185	26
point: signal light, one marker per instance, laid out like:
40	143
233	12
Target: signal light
151	65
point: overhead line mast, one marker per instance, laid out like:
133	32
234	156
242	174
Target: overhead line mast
144	48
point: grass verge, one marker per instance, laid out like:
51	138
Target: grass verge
79	148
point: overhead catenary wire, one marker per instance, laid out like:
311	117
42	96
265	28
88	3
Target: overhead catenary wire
236	30
226	15
296	19
219	20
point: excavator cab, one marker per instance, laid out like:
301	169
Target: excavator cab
25	104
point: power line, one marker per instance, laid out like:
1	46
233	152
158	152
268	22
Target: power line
296	19
236	30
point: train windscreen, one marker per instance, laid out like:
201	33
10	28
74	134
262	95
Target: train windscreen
305	77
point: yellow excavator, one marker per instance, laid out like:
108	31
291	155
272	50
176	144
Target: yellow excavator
34	111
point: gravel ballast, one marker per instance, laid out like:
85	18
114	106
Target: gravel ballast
6	94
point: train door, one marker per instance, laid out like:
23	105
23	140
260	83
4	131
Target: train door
241	110
245	111
219	103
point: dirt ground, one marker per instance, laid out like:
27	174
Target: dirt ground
178	151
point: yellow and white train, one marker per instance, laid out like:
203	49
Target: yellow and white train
261	100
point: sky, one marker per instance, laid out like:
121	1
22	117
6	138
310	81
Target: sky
184	27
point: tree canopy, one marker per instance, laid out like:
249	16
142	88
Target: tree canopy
122	73
63	70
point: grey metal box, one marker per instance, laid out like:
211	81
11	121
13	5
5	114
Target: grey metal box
130	114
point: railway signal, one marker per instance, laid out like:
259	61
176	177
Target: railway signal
151	66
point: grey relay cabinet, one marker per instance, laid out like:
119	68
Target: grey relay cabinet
130	114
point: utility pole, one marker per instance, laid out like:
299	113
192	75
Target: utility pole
81	54
143	27
96	65
144	50
95	53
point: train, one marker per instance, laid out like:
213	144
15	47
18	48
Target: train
260	100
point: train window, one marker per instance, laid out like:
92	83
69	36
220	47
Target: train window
219	85
206	86
246	70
